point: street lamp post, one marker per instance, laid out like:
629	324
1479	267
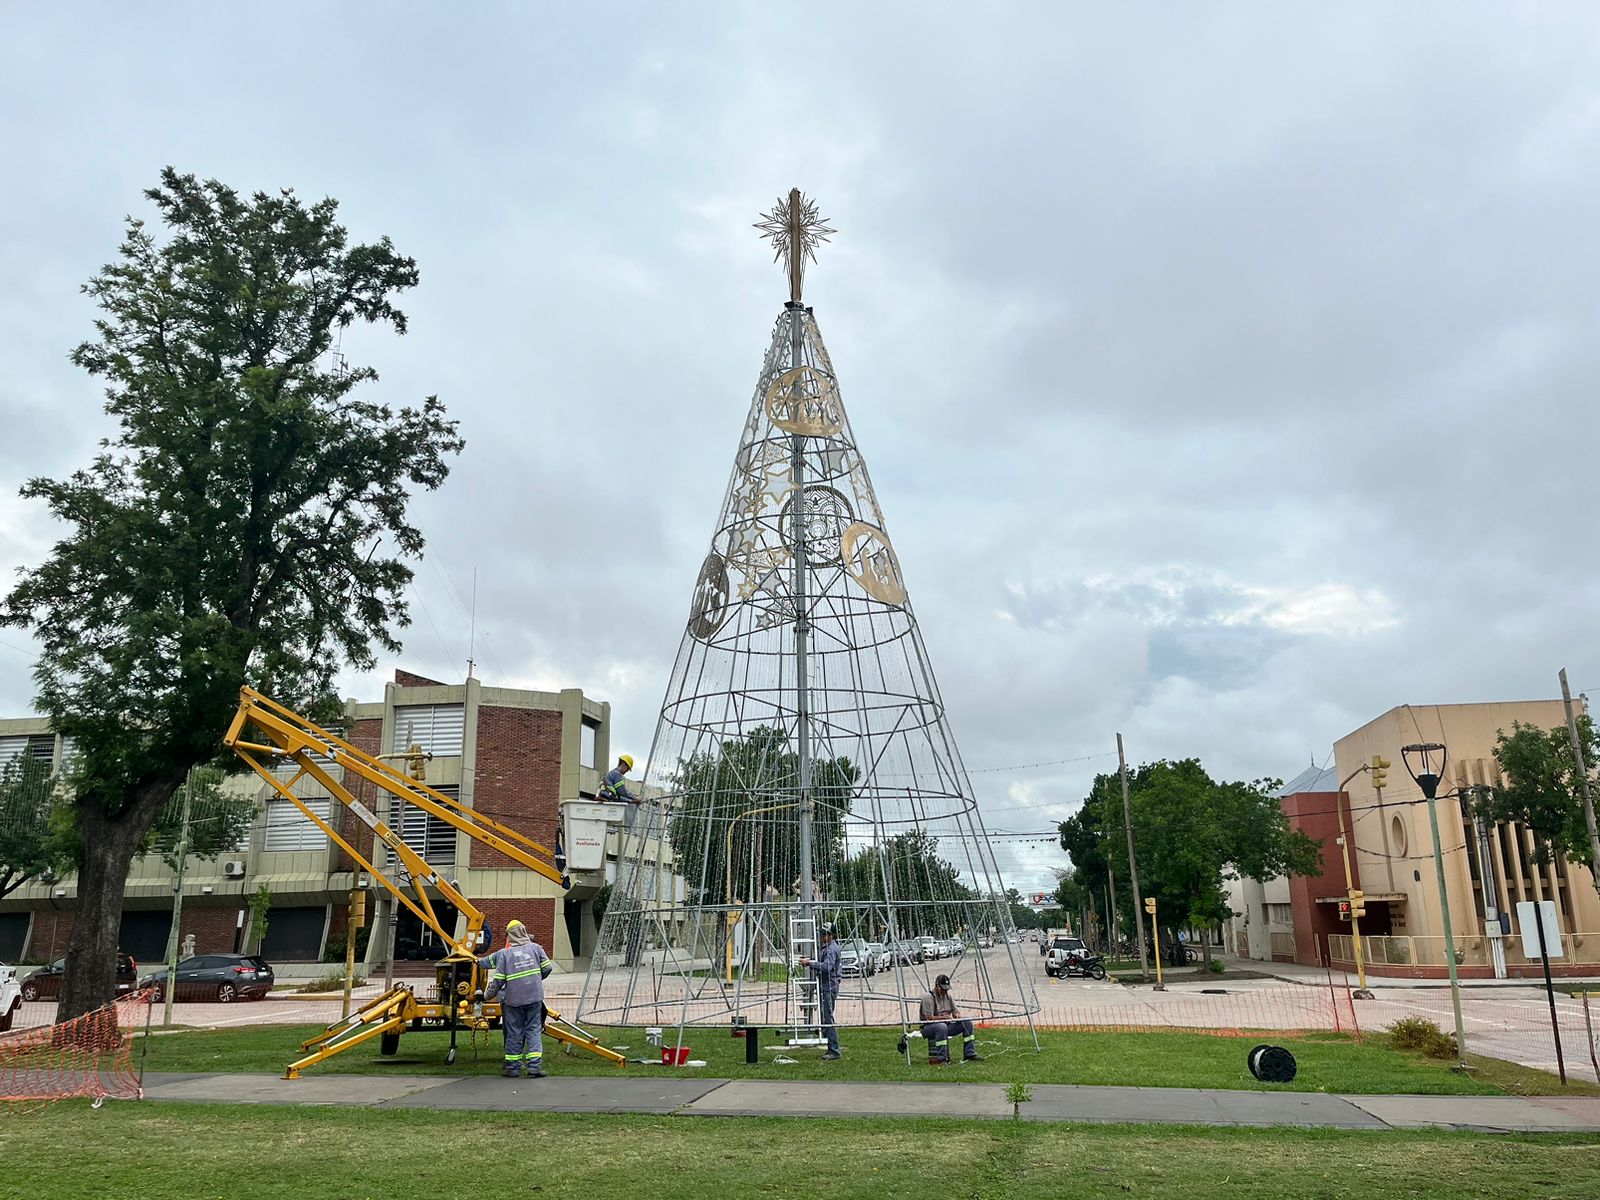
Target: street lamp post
1425	762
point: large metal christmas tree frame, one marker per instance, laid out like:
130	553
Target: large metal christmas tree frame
802	769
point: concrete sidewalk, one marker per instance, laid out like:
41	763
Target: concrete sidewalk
669	1095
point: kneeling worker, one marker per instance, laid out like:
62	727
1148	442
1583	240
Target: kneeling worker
940	1018
516	975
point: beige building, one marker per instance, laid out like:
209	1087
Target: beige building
1486	870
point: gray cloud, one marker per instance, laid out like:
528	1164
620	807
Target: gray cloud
1224	374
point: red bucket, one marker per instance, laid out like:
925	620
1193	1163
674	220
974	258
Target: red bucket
674	1056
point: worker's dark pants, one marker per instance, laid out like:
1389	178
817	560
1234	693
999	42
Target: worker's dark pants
938	1034
524	1027
829	1030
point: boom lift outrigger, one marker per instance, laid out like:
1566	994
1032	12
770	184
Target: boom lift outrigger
289	737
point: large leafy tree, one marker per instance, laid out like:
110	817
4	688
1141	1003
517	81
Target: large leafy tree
1541	787
31	839
718	792
1192	833
246	523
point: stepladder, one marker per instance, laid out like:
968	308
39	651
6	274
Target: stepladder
805	999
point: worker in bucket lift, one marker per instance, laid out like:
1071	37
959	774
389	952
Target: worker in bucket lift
940	1018
516	975
614	786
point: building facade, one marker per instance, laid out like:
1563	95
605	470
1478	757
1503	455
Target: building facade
1488	869
512	754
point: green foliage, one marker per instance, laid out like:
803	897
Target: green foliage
339	942
333	981
218	817
757	771
1191	833
1542	788
1216	967
31	842
915	871
1018	1094
1421	1034
602	899
260	903
245	523
31	828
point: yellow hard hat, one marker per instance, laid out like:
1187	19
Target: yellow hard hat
626	760
514	924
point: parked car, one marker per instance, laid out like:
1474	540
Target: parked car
1072	945
45	983
882	958
220	977
10	996
854	962
929	948
907	953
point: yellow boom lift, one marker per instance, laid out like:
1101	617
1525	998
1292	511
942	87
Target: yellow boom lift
287	737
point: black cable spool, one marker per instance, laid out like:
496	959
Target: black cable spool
1272	1064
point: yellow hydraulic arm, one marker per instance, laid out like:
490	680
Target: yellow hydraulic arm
290	737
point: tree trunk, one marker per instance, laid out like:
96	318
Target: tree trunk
108	851
1205	949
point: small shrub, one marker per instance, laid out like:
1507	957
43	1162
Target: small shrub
1421	1034
1217	968
338	943
1017	1095
333	981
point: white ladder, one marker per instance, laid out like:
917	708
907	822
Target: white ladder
805	1000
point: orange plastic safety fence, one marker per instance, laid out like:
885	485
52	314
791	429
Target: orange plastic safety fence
89	1056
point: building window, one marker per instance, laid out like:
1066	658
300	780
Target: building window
588	748
1280	914
289	829
434	839
41	747
440	729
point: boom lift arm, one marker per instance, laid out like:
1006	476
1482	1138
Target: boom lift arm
290	737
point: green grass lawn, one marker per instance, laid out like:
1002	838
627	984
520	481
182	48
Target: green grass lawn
1328	1062
178	1151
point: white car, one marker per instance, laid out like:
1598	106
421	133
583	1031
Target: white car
10	996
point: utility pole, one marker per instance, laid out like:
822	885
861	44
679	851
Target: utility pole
1427	775
1354	897
1583	781
1111	899
1133	863
177	899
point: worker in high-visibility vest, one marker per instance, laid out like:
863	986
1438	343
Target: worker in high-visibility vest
516	975
614	786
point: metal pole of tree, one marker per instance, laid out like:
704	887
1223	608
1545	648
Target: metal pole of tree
177	900
1427	776
1583	780
1133	864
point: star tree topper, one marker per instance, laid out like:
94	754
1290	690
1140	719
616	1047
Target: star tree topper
794	228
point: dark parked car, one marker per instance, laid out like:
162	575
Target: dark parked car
45	983
220	977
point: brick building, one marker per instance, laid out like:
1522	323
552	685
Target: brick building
512	754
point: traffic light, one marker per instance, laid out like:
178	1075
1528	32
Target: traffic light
1358	903
1150	905
1344	910
1380	772
358	909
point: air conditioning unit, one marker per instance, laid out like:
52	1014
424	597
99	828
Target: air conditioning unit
233	868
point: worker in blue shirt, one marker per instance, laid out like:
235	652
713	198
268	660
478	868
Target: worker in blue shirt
614	786
825	966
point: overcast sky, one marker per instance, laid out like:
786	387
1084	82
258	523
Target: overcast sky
1226	372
